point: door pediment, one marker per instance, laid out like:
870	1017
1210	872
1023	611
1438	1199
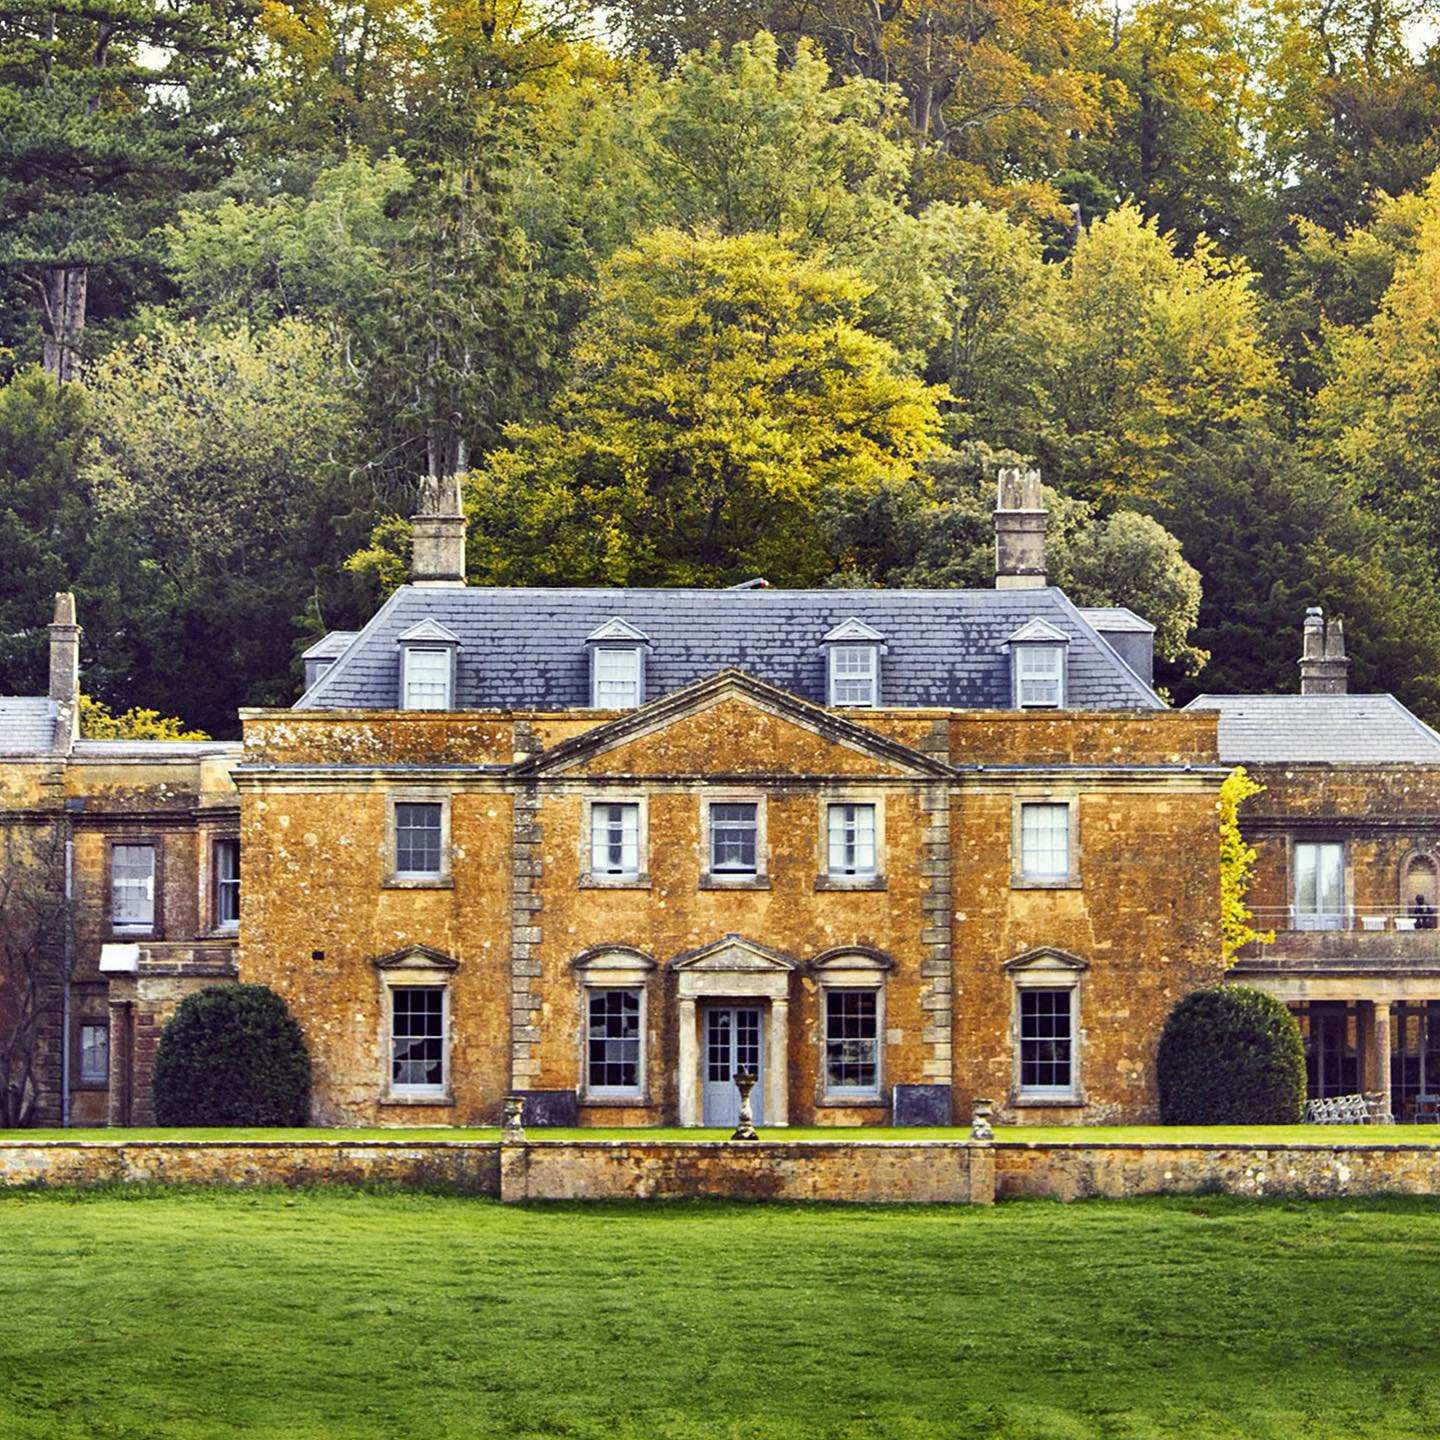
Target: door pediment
733	967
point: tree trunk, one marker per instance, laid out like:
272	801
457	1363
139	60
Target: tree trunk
63	306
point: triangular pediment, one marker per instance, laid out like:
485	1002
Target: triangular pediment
853	632
1044	958
731	724
733	955
428	632
1038	631
416	957
616	631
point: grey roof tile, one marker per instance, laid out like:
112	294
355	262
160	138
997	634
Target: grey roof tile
27	724
525	648
1319	729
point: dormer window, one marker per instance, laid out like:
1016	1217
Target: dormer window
617	666
853	664
1038	656
427	667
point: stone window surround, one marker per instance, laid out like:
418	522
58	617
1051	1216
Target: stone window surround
1048	969
417	795
850	968
614	967
210	881
846	795
415	969
1044	796
77	1081
639	881
156	931
760	879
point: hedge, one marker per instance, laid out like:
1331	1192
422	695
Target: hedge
233	1055
1231	1057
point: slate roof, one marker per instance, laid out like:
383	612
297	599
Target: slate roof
525	648
27	724
1319	729
1116	618
331	645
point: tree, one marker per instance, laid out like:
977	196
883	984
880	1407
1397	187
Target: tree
98	723
720	390
110	111
217	463
1231	1057
1237	868
35	961
937	530
45	517
1155	350
232	1055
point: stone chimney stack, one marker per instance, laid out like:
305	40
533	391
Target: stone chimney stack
1019	531
65	669
1323	663
438	551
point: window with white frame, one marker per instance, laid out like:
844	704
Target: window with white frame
1319	885
427	677
615	838
227	883
1044	841
1039	676
95	1052
851	836
1047	1040
419	839
734	838
616	676
614	1042
854	674
132	887
852	1042
418	1041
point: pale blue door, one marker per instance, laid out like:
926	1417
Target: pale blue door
733	1042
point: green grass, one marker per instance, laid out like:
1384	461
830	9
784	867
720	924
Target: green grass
1129	1134
336	1315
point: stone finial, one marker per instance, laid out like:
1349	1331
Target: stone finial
65	668
438	530
1324	665
1019	530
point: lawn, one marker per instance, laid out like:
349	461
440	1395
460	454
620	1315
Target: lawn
151	1313
1127	1134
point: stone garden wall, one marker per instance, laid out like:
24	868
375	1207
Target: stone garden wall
871	1172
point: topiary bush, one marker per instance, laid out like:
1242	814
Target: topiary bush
1231	1057
233	1055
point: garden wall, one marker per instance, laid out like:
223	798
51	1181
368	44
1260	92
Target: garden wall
1070	1171
865	1171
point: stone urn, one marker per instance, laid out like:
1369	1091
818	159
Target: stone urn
980	1126
745	1083
514	1131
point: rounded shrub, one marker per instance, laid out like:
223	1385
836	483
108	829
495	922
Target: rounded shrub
233	1055
1231	1057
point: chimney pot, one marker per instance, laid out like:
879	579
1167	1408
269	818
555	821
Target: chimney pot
438	530
1019	530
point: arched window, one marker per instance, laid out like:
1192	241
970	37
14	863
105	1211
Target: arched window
1420	889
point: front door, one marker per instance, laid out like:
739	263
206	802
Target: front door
734	1041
